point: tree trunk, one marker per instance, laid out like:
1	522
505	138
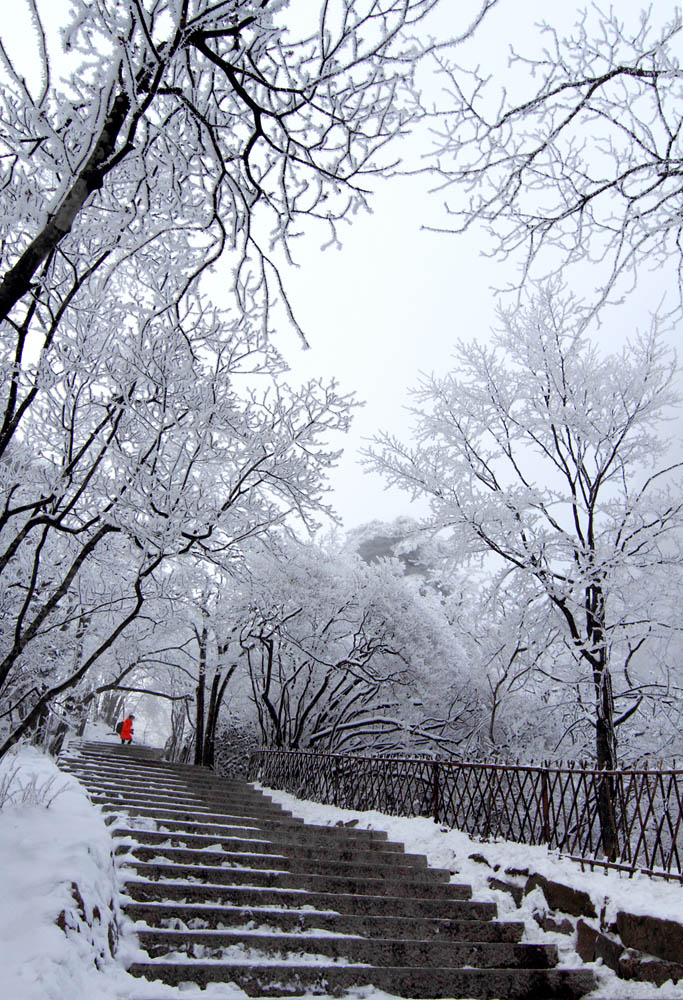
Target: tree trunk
110	708
605	732
173	747
17	281
42	727
201	689
207	754
209	748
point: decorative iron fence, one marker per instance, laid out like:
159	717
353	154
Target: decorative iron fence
552	805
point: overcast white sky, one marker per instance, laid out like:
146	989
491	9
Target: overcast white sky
392	302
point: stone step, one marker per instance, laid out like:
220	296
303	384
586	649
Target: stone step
115	751
115	775
185	790
285	862
146	788
289	827
228	808
174	791
141	891
111	778
104	747
274	838
154	772
281	980
378	886
252	804
204	831
203	915
339	851
201	813
155	769
142	767
123	757
251	807
360	950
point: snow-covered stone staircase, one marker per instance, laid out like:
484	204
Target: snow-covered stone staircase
225	886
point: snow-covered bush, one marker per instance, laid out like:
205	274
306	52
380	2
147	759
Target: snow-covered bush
15	789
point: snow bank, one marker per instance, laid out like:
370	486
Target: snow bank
57	881
451	849
55	939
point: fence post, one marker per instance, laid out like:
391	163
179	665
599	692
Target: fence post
545	780
435	790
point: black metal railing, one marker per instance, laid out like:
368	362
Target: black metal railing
554	805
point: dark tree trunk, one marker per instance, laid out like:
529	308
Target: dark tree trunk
17	281
42	726
209	748
174	745
207	754
56	740
110	708
605	732
201	689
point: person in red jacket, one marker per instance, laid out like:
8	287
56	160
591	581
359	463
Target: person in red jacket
127	730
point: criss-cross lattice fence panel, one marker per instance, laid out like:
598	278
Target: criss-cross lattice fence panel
532	804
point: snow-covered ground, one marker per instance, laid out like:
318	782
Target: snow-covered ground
52	838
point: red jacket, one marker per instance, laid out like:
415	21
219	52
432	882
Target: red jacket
127	729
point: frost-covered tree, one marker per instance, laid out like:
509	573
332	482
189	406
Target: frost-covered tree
548	458
179	440
171	131
574	151
509	644
152	660
137	425
345	655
